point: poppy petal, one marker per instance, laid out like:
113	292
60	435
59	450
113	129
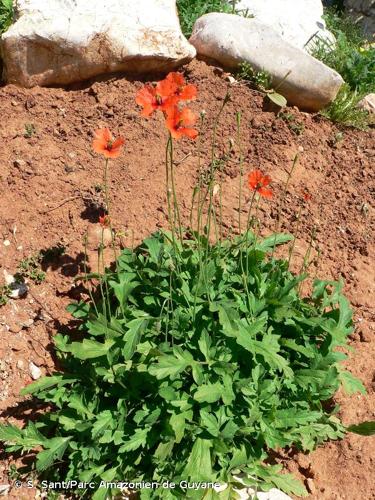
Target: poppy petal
188	93
118	143
189	132
98	145
266	193
188	117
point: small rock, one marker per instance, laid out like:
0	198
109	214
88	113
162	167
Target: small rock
18	290
14	327
310	485
4	489
6	243
365	334
35	371
28	323
368	103
19	163
20	364
98	236
231	79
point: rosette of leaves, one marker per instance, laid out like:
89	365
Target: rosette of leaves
192	370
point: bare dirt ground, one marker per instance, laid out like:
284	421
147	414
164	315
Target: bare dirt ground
54	165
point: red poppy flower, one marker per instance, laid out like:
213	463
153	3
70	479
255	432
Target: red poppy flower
153	98
105	144
180	123
259	182
175	86
104	221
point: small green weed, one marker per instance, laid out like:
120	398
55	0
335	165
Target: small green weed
6	14
343	110
293	124
4	294
261	80
29	130
30	268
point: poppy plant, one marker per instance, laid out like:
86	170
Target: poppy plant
105	144
180	123
259	182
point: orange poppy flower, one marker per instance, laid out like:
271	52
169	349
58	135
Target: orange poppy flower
180	123
259	182
104	221
175	86
153	98
105	144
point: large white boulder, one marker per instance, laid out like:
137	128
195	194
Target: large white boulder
231	39
299	22
64	41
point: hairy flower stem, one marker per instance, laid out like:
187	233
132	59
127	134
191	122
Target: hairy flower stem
169	204
306	258
87	281
282	199
113	242
245	243
213	167
292	246
239	145
176	208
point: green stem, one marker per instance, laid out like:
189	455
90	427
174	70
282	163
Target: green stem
282	199
176	208
238	119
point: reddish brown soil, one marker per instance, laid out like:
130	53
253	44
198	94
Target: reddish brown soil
57	166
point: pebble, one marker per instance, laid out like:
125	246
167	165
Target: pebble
6	243
19	163
20	364
14	327
310	485
18	290
35	371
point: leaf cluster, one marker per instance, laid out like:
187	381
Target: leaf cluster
185	371
6	14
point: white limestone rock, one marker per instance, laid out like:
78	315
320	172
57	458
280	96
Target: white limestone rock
299	22
368	104
65	41
230	39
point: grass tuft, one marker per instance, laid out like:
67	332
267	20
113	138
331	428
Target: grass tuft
190	10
